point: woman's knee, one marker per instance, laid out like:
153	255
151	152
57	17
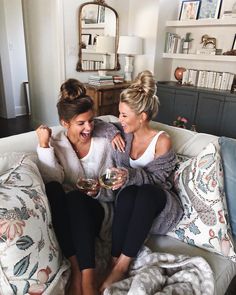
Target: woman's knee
153	193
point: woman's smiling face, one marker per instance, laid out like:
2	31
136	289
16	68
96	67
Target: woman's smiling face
80	127
129	120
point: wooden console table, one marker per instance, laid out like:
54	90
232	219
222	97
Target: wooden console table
106	98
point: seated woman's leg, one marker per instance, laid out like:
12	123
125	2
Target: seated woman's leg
60	217
148	202
61	223
86	217
123	213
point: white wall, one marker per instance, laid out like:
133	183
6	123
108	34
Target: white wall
43	23
13	59
17	55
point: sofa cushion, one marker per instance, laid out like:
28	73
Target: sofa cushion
30	257
228	154
8	159
199	183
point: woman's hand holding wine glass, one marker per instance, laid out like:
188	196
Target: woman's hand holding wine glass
90	186
113	178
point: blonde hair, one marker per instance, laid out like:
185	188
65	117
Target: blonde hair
140	95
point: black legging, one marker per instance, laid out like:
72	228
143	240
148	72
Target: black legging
136	208
77	220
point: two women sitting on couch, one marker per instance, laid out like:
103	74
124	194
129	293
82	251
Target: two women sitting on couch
144	199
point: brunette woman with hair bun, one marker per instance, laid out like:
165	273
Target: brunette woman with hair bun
145	203
77	216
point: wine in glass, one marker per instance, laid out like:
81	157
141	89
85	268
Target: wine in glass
109	177
87	184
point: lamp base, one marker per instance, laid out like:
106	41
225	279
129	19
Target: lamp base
128	68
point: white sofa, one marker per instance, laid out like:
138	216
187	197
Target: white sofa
186	143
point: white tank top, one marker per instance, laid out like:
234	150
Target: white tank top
148	155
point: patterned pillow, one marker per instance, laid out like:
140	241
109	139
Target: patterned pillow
199	183
30	260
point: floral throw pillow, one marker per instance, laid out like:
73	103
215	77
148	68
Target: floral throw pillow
30	257
200	186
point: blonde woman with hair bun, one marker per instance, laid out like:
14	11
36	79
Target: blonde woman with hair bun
145	202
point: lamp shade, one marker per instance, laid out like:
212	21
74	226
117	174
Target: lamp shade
105	44
130	45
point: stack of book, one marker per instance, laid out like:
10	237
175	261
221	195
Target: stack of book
101	80
118	78
173	43
209	79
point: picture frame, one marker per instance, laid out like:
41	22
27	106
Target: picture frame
189	10
209	9
234	43
86	39
90	14
101	14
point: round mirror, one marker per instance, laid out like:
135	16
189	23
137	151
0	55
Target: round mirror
98	37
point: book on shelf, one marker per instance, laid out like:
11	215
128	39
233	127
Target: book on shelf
173	43
208	79
118	78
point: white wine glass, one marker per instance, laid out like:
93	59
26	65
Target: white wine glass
88	183
112	177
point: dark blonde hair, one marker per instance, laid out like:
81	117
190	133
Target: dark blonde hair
140	95
73	100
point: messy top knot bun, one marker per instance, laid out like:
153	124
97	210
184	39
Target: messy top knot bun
73	100
140	95
72	89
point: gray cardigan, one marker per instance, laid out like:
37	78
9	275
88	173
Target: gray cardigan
157	172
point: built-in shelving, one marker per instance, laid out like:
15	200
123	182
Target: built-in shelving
202	22
93	26
208	57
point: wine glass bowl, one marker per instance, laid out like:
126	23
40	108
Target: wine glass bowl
87	184
109	177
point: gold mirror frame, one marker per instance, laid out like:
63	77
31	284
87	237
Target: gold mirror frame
79	66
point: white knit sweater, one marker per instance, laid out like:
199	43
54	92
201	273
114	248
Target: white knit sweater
60	163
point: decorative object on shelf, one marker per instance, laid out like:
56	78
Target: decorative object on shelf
106	46
101	14
186	43
180	122
234	8
189	10
179	74
208	42
230	52
234	43
209	9
219	51
130	46
90	14
86	39
193	128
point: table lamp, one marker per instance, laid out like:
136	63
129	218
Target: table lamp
130	46
106	46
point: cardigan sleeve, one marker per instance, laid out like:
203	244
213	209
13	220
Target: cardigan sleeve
49	167
105	129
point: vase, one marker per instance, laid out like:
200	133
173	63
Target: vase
179	74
